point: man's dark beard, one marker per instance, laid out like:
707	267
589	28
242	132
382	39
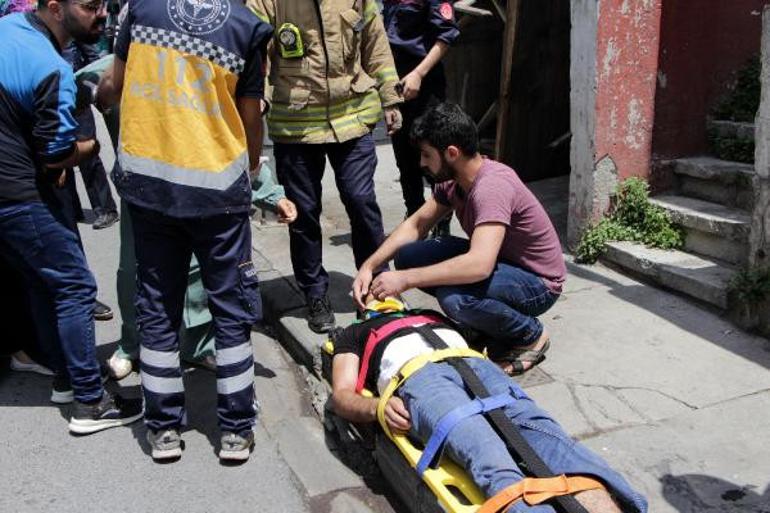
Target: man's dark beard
445	172
80	33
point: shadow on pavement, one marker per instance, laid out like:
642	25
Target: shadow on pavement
691	493
339	294
341	239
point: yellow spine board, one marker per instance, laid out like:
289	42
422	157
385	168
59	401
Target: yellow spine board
448	474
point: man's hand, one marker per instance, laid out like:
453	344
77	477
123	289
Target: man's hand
411	84
287	211
389	283
85	95
254	173
361	286
88	148
393	119
396	416
60	179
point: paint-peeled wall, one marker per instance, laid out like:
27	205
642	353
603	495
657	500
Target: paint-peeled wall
703	44
626	67
614	63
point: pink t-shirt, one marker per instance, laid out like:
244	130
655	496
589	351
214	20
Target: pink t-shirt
499	196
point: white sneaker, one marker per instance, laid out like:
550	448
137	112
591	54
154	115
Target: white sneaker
119	367
20	366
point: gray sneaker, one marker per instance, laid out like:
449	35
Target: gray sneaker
166	444
236	447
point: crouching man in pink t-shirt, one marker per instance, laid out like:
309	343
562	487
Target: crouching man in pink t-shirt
498	281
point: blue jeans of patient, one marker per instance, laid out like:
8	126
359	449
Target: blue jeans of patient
437	389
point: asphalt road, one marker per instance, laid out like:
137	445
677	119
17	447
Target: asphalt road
45	469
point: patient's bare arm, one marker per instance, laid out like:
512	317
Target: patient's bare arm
356	408
347	403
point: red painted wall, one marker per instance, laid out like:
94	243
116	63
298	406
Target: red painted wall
626	68
703	44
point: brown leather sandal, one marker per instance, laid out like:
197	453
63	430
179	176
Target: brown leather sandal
518	357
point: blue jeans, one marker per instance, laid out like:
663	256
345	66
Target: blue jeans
437	389
36	239
504	307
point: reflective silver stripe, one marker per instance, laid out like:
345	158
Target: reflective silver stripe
236	383
186	43
219	181
162	359
162	385
233	355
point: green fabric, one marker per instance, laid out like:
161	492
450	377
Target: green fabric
196	339
98	67
265	192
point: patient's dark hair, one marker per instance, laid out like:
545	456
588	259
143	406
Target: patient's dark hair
446	125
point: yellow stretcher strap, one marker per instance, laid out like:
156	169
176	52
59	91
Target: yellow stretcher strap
536	490
412	366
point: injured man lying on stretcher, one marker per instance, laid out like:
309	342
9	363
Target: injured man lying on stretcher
368	354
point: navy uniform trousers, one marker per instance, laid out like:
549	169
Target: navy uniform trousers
222	245
300	168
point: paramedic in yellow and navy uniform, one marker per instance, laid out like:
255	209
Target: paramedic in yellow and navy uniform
190	74
331	75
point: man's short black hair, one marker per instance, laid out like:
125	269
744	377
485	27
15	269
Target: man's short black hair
446	125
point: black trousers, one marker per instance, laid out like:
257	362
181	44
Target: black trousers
93	172
300	168
432	92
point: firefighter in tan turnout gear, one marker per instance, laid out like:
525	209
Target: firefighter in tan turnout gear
331	76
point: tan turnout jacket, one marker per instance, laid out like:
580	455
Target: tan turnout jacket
336	91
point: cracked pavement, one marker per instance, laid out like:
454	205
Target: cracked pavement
673	396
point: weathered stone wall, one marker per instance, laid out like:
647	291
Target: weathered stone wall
760	226
627	66
584	16
614	59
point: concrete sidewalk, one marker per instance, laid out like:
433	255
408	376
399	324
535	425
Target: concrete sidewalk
670	394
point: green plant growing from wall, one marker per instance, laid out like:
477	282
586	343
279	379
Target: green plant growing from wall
633	218
750	286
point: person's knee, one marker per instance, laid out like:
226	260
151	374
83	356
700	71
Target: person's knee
411	255
402	258
451	303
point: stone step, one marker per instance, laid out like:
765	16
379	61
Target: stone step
710	179
705	216
731	129
711	229
700	278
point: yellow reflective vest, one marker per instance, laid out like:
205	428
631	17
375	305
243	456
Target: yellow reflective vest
334	92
